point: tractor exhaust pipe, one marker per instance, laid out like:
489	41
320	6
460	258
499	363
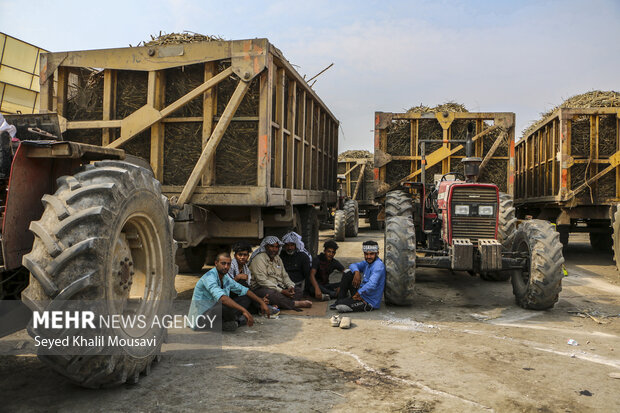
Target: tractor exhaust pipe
471	164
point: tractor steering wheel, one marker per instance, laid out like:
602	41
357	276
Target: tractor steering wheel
443	177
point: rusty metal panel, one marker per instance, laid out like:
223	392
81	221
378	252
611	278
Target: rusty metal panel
397	150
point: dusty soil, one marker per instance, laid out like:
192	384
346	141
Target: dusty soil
463	346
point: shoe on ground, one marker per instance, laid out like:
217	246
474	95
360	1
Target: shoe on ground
230	325
273	311
345	322
332	306
325	297
335	320
343	308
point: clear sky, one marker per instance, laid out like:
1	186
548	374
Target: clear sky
518	56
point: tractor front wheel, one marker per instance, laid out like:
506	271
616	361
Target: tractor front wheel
538	286
400	256
506	230
351	212
339	225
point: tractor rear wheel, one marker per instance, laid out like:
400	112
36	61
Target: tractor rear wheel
506	230
351	212
398	204
105	237
191	259
400	255
538	286
339	225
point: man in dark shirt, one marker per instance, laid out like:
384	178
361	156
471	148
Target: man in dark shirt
322	267
295	258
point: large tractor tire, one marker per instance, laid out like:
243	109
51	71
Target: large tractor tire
398	204
400	246
191	259
339	225
310	229
352	218
506	230
538	286
105	237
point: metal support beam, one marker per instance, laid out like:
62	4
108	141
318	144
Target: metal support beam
209	150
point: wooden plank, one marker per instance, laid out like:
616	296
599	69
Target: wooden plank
614	162
360	178
156	89
109	103
62	89
209	151
94	124
292	112
146	116
302	145
279	108
264	126
209	108
502	135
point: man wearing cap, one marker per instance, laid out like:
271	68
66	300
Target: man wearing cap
323	266
364	281
269	278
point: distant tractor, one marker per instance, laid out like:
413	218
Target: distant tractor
459	224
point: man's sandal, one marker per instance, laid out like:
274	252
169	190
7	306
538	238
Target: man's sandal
345	322
335	320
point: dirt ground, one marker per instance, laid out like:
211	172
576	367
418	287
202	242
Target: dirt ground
464	346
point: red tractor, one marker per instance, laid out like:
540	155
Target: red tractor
462	225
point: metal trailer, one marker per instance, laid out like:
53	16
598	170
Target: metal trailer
401	137
291	178
354	173
19	75
567	172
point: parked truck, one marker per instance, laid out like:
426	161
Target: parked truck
567	169
190	145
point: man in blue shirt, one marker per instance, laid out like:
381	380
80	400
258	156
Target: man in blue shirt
364	281
212	298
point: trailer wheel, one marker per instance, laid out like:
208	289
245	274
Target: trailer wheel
601	241
339	225
506	230
400	246
105	236
398	204
538	286
352	217
375	224
615	226
310	229
191	259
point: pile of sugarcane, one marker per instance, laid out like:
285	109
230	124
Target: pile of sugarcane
367	191
237	153
176	38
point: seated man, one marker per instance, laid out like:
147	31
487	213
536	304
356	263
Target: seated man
322	267
239	270
212	297
365	282
295	258
269	278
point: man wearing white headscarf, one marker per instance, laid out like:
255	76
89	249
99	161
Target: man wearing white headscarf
296	259
270	279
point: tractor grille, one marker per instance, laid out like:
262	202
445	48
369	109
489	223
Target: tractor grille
474	227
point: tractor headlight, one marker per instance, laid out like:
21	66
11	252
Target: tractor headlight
485	210
461	210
